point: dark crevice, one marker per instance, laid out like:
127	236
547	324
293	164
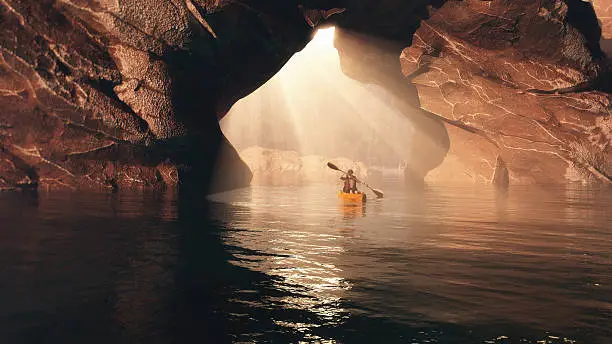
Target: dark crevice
601	83
497	79
107	87
96	133
459	125
63	67
581	87
582	17
203	12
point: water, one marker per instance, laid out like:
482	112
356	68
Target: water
290	265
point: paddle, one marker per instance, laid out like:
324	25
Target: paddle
378	193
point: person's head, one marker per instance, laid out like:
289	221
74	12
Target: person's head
350	172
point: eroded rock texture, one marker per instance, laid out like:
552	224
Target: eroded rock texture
519	83
127	93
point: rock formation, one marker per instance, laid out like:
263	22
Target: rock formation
520	83
120	94
127	93
603	9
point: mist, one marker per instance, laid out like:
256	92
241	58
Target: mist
310	108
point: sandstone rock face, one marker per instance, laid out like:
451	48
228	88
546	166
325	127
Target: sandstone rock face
111	94
603	9
127	93
372	60
120	94
522	84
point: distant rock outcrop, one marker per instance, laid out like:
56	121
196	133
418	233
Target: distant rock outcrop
289	168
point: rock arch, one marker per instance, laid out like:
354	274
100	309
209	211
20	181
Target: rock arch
121	94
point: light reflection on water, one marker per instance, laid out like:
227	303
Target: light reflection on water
531	261
303	261
288	265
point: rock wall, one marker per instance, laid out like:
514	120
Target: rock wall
521	83
603	9
120	94
127	93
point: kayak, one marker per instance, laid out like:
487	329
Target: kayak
352	198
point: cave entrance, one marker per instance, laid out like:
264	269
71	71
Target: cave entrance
310	112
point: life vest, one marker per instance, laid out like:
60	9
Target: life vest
347	184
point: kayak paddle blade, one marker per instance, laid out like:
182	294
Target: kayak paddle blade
378	193
332	166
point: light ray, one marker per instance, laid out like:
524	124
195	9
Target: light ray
325	112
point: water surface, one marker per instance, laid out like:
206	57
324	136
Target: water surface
289	265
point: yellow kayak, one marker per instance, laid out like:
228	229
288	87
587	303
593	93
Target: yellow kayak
352	198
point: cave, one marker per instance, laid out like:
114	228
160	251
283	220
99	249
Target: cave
142	107
122	95
310	112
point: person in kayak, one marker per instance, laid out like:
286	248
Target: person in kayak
350	182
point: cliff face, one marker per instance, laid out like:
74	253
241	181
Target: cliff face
603	9
520	83
128	93
117	94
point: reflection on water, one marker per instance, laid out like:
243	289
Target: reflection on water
529	264
302	262
352	211
289	265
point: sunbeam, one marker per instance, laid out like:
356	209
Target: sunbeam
311	108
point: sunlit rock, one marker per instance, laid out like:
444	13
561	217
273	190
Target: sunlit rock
519	82
603	9
371	60
128	94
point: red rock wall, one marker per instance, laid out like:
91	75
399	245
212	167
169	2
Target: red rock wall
101	93
525	78
603	9
127	94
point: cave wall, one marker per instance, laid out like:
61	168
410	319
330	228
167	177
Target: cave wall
121	94
603	9
523	84
522	89
118	94
374	60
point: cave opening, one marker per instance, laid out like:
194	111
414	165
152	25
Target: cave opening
310	112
